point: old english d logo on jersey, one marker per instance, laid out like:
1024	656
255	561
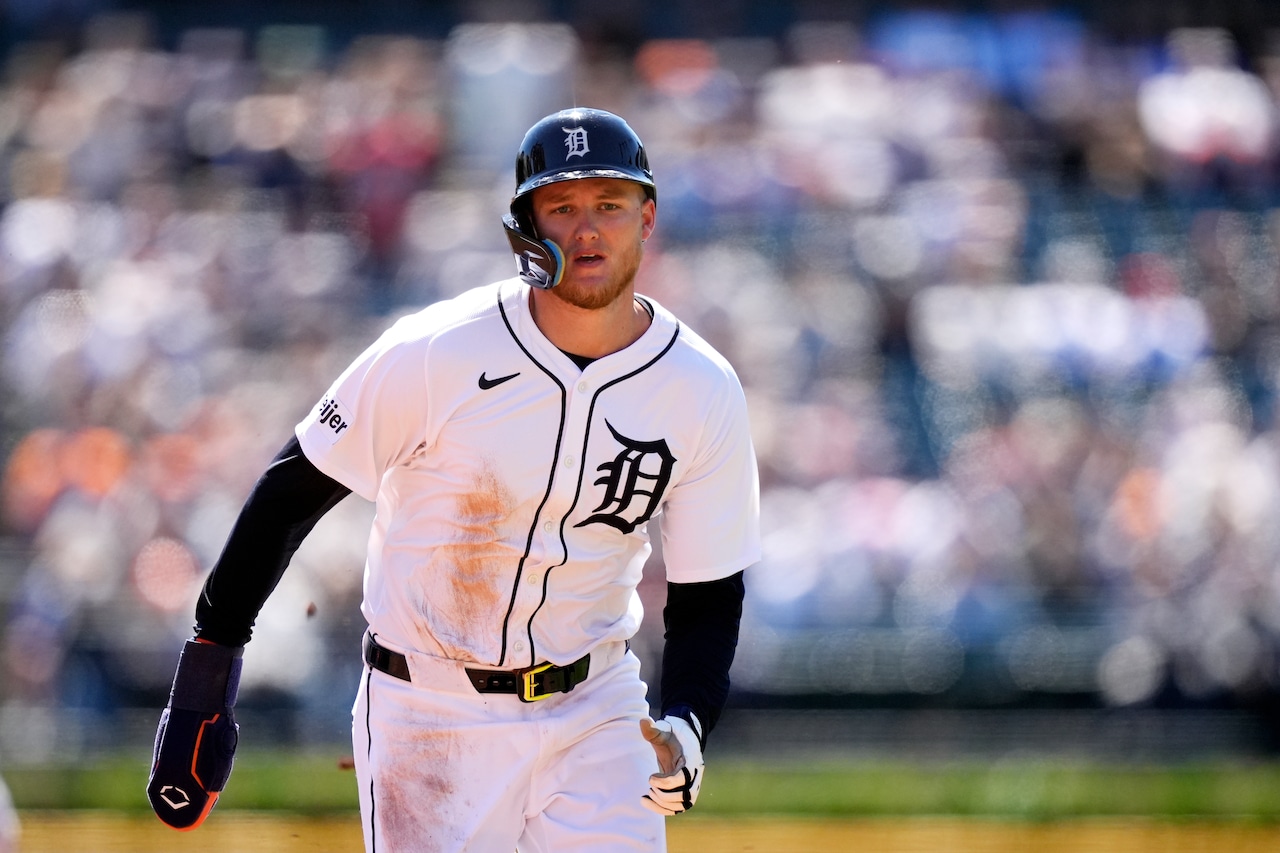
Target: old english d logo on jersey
575	140
634	482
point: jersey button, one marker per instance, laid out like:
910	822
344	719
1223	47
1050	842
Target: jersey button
534	578
548	526
519	646
568	462
583	387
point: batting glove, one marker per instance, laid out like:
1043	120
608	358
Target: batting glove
674	789
196	739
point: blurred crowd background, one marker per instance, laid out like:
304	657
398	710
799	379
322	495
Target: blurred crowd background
1002	285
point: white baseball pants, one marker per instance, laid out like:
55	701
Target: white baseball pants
444	769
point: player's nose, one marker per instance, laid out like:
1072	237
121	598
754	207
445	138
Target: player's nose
586	228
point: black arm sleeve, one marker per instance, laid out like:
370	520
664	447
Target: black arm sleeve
702	622
285	504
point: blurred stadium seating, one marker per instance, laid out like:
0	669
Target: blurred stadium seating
1003	289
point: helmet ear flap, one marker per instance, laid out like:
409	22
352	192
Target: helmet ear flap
539	263
522	215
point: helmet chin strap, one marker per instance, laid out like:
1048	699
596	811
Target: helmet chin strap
539	263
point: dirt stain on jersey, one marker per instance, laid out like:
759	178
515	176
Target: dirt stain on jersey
479	562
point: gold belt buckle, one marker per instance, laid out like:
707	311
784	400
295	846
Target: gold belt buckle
530	688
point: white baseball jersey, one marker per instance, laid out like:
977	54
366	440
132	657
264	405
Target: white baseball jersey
513	489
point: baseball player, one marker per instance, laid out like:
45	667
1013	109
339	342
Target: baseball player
516	441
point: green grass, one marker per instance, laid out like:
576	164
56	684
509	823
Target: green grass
303	783
1032	789
1029	789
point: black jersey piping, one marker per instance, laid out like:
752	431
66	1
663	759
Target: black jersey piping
546	495
586	439
368	730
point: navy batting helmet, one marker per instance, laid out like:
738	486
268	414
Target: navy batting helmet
567	146
580	143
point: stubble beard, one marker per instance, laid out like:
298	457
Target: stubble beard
595	297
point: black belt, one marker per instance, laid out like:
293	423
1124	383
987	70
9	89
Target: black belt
530	683
385	660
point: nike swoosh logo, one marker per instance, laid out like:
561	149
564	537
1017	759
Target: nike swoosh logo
486	383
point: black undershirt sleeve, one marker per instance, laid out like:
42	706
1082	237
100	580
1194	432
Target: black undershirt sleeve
285	504
702	622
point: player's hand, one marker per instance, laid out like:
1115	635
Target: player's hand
674	789
196	739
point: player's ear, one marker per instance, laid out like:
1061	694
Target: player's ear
648	218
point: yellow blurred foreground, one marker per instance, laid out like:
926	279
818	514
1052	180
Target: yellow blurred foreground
100	832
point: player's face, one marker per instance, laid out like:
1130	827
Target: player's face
599	224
